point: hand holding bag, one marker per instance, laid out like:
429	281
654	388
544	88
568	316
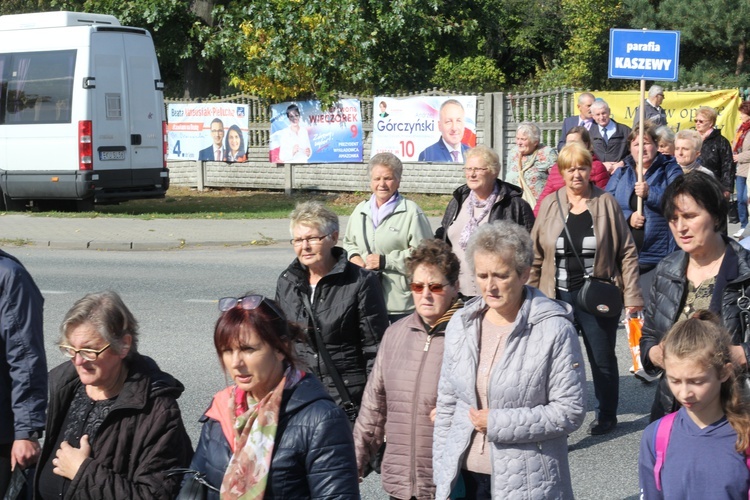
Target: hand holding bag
194	486
597	296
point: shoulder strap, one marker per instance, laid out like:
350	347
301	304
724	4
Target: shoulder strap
567	233
364	232
663	430
323	351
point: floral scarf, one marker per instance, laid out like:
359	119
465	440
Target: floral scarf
739	137
475	204
255	424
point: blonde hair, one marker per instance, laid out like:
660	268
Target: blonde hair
708	113
703	340
489	158
574	154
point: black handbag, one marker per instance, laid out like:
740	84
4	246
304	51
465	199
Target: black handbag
598	296
194	486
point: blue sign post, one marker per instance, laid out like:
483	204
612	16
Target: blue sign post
644	55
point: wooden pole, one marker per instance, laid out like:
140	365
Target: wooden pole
641	128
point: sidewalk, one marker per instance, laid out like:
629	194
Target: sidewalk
136	234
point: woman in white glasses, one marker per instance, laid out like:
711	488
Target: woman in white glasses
401	392
274	432
114	428
339	304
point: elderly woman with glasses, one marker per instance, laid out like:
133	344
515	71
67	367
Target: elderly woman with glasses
274	432
716	151
484	198
339	304
114	428
401	393
383	230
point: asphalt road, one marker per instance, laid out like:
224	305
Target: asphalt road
173	294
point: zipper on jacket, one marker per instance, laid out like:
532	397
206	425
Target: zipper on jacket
415	404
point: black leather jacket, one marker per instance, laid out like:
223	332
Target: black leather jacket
313	455
509	205
667	297
350	312
716	155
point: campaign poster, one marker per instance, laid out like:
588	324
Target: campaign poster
303	132
207	132
681	108
427	128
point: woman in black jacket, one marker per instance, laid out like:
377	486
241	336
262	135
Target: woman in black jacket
716	151
274	433
709	272
322	290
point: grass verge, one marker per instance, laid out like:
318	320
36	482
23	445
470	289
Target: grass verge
187	203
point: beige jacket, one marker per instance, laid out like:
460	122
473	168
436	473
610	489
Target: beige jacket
616	255
743	158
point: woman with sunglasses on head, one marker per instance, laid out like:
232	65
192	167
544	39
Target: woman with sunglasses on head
114	428
274	432
401	392
338	303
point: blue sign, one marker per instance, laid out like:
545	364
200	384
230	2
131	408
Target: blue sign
644	55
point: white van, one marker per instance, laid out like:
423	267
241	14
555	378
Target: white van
81	111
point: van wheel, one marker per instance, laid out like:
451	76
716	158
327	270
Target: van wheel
85	205
14	205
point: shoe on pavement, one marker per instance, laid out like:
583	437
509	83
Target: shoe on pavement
739	232
601	427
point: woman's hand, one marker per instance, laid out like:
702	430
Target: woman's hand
636	220
641	189
68	460
357	261
656	355
433	414
373	262
479	419
633	310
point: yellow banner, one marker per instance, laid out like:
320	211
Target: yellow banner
681	108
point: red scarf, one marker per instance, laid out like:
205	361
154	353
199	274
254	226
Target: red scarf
739	137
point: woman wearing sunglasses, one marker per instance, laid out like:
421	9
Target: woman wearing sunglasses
511	384
274	432
340	305
401	393
113	425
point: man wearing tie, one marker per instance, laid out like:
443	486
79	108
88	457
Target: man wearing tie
609	138
449	147
215	152
583	119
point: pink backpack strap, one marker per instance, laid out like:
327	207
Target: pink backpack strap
663	430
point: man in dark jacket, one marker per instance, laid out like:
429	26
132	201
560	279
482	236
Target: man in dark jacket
23	369
609	138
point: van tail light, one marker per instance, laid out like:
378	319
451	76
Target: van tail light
164	141
85	146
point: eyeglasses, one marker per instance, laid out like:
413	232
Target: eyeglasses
313	240
87	354
248	303
476	170
437	288
698	120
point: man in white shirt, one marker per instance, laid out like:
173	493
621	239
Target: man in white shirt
583	119
449	147
609	138
215	152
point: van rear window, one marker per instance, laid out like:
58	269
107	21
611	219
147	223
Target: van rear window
37	87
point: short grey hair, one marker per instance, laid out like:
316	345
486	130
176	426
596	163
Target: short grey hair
387	160
502	238
665	133
690	135
489	157
599	103
313	214
655	90
709	113
530	130
108	315
585	95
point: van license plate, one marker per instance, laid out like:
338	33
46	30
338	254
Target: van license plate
111	155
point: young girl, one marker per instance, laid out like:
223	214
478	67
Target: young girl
705	452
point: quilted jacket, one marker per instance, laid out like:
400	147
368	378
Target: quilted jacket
716	155
536	400
668	297
658	241
401	392
393	240
350	312
313	456
140	439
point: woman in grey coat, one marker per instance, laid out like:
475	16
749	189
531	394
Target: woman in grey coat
512	382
